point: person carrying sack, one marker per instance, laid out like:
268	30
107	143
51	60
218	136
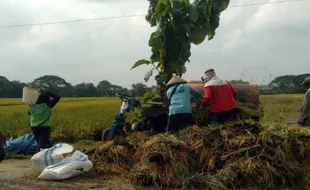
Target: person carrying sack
179	102
40	118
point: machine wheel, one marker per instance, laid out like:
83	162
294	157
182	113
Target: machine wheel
105	134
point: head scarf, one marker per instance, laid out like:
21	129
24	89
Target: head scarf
209	74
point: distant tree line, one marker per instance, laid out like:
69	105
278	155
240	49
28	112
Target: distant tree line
13	89
287	84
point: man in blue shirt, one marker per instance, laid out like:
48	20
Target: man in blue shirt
180	107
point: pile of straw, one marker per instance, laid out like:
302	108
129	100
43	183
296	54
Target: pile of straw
117	156
245	111
165	159
246	155
240	154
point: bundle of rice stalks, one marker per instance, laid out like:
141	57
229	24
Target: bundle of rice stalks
210	144
202	182
117	156
244	154
250	110
165	160
245	111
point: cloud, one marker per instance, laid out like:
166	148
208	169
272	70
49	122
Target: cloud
269	36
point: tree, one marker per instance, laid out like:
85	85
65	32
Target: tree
179	23
290	84
119	89
10	89
15	89
4	84
53	83
104	87
86	90
139	89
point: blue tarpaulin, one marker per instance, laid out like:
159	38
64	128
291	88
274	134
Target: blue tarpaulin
22	145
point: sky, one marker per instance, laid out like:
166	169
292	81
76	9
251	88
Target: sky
253	43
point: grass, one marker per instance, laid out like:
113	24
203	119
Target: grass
73	118
77	119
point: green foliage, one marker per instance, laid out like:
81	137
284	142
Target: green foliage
58	85
289	84
10	89
139	89
179	23
140	62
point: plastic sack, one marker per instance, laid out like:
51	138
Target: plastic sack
69	167
50	156
30	95
26	144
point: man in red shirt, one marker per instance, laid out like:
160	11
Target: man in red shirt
222	97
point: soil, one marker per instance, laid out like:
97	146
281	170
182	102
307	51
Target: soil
19	174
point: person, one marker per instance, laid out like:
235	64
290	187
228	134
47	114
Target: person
304	118
40	121
179	101
222	97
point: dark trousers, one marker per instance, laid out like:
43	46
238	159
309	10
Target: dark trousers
42	136
306	122
222	117
179	121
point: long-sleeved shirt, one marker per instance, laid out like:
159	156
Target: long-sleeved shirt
221	94
181	99
305	109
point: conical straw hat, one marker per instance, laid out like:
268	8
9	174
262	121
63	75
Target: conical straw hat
176	80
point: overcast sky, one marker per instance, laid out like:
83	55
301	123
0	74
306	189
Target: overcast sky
267	40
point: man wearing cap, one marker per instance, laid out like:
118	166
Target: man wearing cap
304	118
222	96
179	101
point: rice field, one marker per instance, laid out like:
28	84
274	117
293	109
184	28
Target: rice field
84	118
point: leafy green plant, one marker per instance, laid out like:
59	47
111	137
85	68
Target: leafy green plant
179	24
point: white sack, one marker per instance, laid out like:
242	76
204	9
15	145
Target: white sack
69	167
50	156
